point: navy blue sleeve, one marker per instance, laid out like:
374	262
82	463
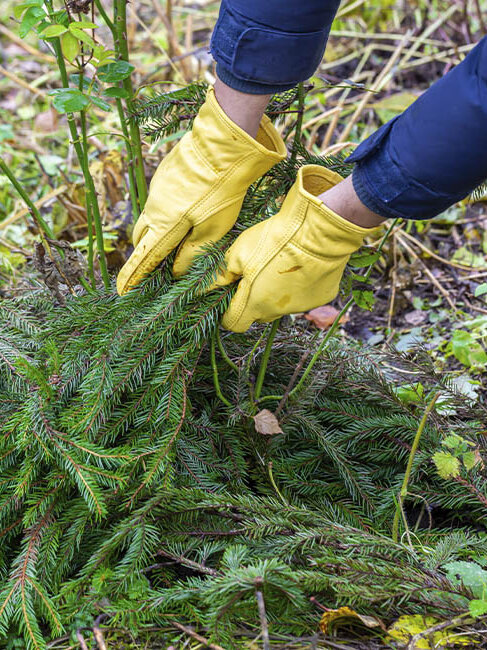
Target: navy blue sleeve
266	46
435	153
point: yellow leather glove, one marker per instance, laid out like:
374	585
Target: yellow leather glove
198	189
294	260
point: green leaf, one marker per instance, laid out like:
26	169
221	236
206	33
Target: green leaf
477	607
20	8
114	72
364	299
470	573
70	46
52	31
87	82
84	24
453	441
103	55
31	18
410	393
480	289
69	100
81	36
470	459
467	349
392	105
105	106
359	260
447	464
467	258
120	93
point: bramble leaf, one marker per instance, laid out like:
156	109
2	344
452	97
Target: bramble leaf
447	464
69	100
52	31
117	71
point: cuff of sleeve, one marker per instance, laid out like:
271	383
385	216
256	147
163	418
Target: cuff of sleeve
365	192
248	87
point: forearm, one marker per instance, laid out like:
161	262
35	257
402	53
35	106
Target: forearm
244	109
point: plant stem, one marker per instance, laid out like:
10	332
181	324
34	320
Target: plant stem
299	123
407	475
130	166
216	380
263	618
223	352
90	186
89	213
104	15
265	359
121	47
36	215
274	485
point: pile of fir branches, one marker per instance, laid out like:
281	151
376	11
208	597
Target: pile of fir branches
134	481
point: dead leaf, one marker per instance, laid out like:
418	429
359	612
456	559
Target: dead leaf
108	178
266	423
415	317
324	317
337	617
47	121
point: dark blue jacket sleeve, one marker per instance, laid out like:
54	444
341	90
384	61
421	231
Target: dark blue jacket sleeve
265	46
416	165
435	153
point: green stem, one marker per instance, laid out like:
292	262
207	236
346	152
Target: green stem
223	352
90	186
89	213
253	351
216	380
265	359
105	16
121	47
274	485
404	489
36	215
84	283
299	123
130	166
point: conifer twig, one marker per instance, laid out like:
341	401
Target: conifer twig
195	635
262	614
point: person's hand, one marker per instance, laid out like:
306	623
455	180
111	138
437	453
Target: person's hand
198	189
293	261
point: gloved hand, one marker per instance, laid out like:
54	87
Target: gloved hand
198	189
294	260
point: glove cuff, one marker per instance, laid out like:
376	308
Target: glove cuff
323	231
221	142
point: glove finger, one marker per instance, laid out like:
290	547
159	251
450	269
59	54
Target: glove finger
239	316
140	228
206	233
149	252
